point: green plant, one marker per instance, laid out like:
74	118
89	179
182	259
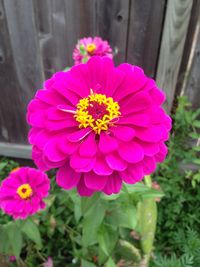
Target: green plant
179	178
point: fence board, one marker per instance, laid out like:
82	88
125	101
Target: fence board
19	151
173	40
144	33
192	88
12	123
25	47
60	24
112	25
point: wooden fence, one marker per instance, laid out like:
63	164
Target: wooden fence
37	38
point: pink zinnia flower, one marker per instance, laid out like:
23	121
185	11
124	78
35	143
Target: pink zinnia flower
88	47
22	192
100	125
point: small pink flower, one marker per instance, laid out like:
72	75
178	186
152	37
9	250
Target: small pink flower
22	192
99	124
12	258
88	47
48	263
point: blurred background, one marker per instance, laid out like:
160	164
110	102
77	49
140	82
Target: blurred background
37	39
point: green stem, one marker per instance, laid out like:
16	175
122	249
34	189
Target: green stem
147	225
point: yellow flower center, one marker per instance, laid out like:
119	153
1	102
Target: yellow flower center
24	191
97	111
91	48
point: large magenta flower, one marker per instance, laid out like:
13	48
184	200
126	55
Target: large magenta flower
22	192
100	125
88	47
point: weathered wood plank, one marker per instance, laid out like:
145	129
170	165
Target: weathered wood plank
15	150
173	40
60	24
25	47
112	25
145	28
192	87
189	48
12	119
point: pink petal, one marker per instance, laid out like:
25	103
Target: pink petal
131	152
68	147
136	102
37	118
52	151
157	95
138	119
123	133
149	165
94	181
107	143
50	97
134	80
153	134
88	147
113	185
83	190
81	163
59	125
67	178
150	149
101	167
115	162
133	174
161	155
78	135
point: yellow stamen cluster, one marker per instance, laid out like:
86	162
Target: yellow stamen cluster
91	48
85	117
24	191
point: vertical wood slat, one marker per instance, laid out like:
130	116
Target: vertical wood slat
192	87
144	33
189	51
12	122
60	25
173	40
25	47
112	25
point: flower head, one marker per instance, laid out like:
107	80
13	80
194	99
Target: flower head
22	192
99	124
88	47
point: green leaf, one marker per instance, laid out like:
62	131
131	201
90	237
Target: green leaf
110	197
196	123
124	217
110	263
88	203
85	59
32	232
85	263
49	200
12	237
2	165
91	222
136	188
107	238
82	50
153	193
129	251
66	69
196	161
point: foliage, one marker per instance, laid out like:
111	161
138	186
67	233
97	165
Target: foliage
92	231
179	177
